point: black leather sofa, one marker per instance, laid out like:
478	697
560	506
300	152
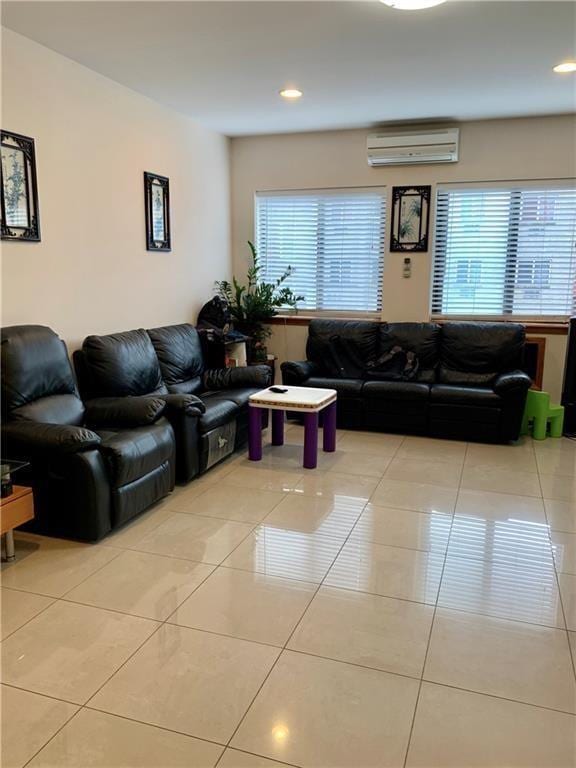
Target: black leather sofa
469	384
208	409
91	468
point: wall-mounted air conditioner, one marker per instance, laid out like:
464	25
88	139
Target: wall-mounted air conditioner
435	146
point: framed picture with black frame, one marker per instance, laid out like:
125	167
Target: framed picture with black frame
410	219
157	202
19	217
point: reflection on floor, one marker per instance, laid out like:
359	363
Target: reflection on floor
410	602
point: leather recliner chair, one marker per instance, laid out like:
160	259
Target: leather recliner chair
91	469
469	384
167	363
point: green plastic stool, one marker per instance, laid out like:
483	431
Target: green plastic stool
538	414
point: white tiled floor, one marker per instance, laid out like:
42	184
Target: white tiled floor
405	604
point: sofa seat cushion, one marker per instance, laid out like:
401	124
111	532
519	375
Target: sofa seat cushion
220	409
474	397
132	453
345	387
395	390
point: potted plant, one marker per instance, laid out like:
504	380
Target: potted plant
252	305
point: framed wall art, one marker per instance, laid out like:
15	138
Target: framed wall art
157	202
410	219
19	218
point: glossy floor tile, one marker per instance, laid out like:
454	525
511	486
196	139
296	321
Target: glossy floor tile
146	585
70	650
518	543
192	537
489	505
511	659
332	485
28	722
193	682
564	549
493	477
265	616
443	473
561	515
558	487
247	605
370	442
352	463
403	528
291	554
502	589
430	449
244	505
369	630
567	583
330	516
98	740
312	711
389	571
52	566
233	758
255	476
415	496
459	729
18	608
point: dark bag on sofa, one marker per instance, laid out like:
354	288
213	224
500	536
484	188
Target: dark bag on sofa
395	365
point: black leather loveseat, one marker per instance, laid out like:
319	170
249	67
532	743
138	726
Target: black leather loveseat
91	469
469	383
208	409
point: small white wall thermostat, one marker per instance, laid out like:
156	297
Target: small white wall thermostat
407	271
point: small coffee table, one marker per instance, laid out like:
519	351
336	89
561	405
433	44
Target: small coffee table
310	401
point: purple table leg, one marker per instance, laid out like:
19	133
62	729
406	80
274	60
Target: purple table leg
310	440
254	433
329	430
277	427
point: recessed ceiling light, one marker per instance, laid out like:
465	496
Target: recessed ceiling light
412	5
290	93
566	66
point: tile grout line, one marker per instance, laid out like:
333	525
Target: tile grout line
411	732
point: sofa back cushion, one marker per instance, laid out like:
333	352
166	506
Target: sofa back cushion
421	338
357	344
37	379
118	365
476	353
179	353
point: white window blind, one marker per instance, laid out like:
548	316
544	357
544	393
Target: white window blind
334	242
504	251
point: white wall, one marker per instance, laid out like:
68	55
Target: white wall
94	139
532	148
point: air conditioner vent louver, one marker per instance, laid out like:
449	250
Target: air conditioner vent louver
439	146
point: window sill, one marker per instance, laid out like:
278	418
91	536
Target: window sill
544	329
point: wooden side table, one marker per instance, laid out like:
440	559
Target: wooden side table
15	509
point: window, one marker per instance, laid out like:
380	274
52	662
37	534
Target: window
504	251
334	242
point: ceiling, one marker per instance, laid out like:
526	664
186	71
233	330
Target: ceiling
359	63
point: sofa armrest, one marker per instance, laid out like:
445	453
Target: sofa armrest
511	383
187	404
234	378
296	372
123	411
29	439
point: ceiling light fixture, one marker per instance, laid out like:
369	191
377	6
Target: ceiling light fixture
412	5
566	66
290	93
